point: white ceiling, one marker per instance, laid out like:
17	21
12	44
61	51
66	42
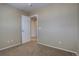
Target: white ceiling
27	8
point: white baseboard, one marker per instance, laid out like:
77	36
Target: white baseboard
13	45
77	53
9	46
59	48
42	44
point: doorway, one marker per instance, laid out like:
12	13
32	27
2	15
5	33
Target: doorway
34	28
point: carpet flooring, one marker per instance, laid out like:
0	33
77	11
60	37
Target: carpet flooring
34	49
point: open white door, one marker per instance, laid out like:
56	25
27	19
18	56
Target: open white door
25	26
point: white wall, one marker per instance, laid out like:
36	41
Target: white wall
58	24
10	29
77	29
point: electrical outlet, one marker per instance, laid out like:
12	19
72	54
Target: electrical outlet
11	40
8	41
59	42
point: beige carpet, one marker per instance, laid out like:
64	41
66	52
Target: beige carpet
34	49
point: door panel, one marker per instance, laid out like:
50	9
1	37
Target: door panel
25	22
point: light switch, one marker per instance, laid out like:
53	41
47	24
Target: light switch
39	28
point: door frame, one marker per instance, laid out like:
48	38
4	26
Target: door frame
37	24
